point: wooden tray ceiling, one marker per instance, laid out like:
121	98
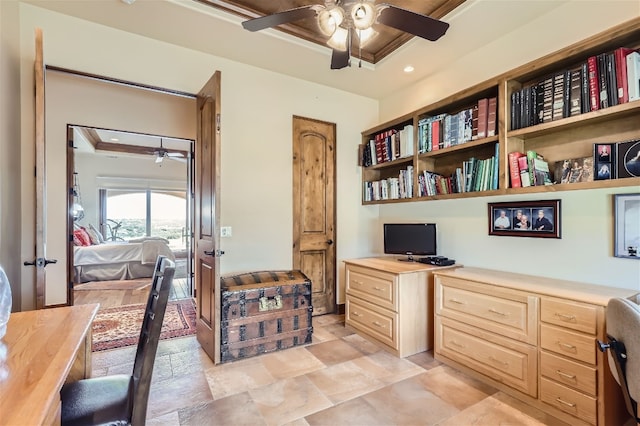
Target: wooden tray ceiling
387	40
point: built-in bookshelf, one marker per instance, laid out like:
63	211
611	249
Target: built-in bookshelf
469	160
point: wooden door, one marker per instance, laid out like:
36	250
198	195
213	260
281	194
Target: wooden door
314	249
207	212
41	182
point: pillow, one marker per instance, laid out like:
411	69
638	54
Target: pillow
98	234
76	240
82	237
93	235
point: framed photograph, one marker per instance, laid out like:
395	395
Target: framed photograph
539	219
604	160
628	159
626	217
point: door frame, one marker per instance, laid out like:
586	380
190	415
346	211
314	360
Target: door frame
40	139
70	222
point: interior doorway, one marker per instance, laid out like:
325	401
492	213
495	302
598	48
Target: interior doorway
132	193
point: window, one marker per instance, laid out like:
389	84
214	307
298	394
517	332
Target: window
134	213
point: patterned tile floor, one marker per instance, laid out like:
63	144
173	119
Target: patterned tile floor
339	379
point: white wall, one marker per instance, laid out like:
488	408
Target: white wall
257	110
10	208
585	252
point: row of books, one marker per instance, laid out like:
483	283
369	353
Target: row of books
611	160
393	188
474	175
387	146
446	130
603	80
528	169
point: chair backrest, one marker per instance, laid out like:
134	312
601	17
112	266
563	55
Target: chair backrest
149	337
623	325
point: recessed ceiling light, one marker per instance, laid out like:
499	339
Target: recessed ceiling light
115	139
408	68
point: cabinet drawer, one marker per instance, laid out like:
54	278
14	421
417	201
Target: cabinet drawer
568	372
377	287
568	400
484	307
573	315
378	323
568	343
509	362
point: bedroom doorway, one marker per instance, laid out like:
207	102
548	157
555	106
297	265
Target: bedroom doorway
135	192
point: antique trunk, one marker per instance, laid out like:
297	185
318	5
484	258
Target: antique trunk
264	312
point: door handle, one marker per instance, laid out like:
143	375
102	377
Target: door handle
216	253
40	262
329	241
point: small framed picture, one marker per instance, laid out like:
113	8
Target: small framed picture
626	216
604	160
628	159
539	219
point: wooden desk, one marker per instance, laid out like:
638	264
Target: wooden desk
45	349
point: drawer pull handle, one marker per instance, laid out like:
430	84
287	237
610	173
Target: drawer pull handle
456	301
378	288
565	316
356	314
568	404
494	359
377	324
565	375
357	282
454	343
493	311
566	345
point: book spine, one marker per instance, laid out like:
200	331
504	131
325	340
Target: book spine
584	85
612	81
575	97
483	110
620	57
594	92
492	111
514	169
633	76
523	165
558	96
547	110
602	87
566	102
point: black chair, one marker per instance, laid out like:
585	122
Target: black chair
623	342
122	399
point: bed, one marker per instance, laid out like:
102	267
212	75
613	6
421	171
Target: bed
119	260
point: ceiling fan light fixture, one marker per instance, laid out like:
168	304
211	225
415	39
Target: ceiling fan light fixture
338	40
326	23
365	36
363	15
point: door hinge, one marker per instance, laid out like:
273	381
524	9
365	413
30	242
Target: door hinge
218	123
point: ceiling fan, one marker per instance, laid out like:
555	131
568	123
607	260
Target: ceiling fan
162	153
340	20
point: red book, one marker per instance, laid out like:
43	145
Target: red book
379	152
514	169
483	110
594	85
435	135
492	117
620	55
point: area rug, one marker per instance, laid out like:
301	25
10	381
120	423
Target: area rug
120	326
137	284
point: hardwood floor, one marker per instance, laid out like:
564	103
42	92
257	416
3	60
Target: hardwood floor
128	293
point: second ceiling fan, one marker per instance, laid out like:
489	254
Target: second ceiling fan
161	153
341	20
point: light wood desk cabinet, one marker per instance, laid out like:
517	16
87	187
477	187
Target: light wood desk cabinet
532	337
391	302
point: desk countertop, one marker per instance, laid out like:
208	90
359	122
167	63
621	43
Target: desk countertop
41	347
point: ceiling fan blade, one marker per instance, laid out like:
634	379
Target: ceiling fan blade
339	59
174	154
411	22
180	159
279	18
159	159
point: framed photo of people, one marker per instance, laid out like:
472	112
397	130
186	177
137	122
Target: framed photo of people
540	219
626	216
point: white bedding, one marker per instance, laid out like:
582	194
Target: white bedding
119	261
145	252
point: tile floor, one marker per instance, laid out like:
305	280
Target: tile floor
339	379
